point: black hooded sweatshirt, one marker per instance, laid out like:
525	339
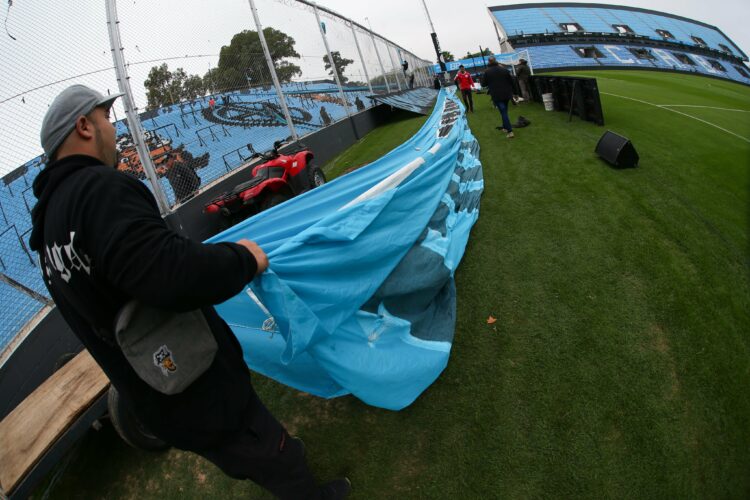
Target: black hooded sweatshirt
101	243
499	83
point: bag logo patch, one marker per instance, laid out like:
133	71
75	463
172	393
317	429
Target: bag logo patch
163	359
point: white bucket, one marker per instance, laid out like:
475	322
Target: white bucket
549	102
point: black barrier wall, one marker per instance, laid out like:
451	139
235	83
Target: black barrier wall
574	95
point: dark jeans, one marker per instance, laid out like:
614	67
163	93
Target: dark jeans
266	455
468	99
503	107
525	89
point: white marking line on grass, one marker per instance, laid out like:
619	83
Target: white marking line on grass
696	106
661	106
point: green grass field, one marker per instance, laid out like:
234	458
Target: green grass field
619	365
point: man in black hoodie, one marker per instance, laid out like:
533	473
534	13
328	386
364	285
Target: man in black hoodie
102	243
499	84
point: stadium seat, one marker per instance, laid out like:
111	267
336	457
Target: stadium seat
542	18
565	56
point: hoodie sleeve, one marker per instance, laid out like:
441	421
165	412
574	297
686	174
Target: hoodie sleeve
133	249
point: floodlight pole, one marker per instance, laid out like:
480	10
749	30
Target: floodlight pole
272	69
134	122
435	41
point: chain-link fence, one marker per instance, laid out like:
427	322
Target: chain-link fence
41	54
205	89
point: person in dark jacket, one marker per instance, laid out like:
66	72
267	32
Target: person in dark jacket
183	179
325	118
359	104
499	85
101	244
523	73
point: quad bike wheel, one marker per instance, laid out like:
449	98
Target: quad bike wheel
317	177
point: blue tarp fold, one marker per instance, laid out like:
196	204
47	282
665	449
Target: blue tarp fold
359	296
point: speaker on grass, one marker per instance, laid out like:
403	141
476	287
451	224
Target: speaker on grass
617	150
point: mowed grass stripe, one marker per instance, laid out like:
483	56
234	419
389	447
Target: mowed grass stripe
618	366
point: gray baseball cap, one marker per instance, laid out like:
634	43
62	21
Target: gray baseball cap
60	120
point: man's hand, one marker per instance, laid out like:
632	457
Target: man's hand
260	256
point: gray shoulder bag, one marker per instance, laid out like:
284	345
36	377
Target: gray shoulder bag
168	350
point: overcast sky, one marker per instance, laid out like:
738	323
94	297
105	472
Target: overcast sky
463	25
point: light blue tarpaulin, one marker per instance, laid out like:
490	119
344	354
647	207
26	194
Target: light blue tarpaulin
359	297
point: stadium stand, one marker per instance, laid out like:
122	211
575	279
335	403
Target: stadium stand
563	35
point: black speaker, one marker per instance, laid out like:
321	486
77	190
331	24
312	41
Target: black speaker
617	150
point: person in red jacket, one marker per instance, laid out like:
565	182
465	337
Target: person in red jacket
466	85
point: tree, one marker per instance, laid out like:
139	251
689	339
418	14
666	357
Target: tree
158	86
340	62
447	56
242	60
164	87
193	87
485	53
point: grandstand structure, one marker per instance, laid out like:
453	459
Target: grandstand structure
564	35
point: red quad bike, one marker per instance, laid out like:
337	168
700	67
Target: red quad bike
280	177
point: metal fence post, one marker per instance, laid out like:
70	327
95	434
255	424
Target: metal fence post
528	59
272	69
423	71
330	60
414	69
134	122
362	59
397	69
418	70
380	62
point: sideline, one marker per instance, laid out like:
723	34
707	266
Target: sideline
663	106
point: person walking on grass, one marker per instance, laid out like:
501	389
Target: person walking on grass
466	85
499	85
102	244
